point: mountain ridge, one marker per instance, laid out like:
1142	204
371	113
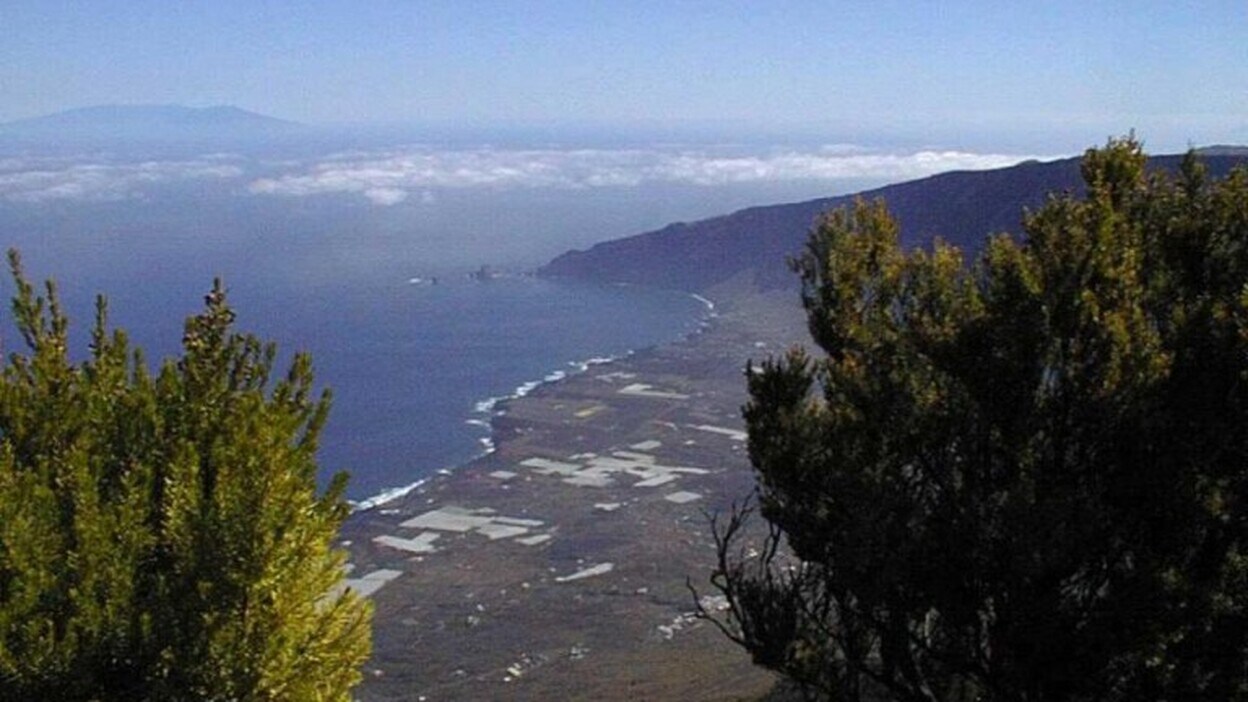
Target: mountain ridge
961	207
150	122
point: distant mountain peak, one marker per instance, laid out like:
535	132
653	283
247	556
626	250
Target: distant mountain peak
150	122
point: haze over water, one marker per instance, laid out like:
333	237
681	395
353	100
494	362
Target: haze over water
331	247
328	239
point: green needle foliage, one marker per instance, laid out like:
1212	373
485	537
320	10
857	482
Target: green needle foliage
161	536
1023	479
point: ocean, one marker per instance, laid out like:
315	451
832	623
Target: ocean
416	368
329	248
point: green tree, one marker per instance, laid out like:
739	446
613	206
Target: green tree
1023	479
161	537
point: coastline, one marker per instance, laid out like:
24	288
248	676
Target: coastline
547	569
495	406
490	407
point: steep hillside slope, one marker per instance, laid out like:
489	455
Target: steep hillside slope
961	207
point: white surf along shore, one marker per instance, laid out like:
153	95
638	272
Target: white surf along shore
492	407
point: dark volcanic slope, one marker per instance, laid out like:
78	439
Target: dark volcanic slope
961	207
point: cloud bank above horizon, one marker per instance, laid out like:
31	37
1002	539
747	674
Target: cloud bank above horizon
387	177
50	179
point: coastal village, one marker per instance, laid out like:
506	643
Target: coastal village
560	565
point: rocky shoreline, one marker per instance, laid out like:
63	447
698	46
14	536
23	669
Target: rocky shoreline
555	567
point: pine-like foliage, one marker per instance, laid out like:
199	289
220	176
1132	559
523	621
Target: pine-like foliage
161	537
1022	480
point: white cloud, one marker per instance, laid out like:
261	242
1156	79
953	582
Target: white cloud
44	179
386	177
416	173
385	196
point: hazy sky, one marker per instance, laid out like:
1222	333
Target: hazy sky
1069	72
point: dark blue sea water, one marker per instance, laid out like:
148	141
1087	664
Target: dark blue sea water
408	363
317	247
414	368
317	239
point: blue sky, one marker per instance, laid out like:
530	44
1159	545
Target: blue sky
1059	75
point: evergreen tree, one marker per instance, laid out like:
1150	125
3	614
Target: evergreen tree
161	537
1025	479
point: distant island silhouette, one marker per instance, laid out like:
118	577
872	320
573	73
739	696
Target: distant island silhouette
151	122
